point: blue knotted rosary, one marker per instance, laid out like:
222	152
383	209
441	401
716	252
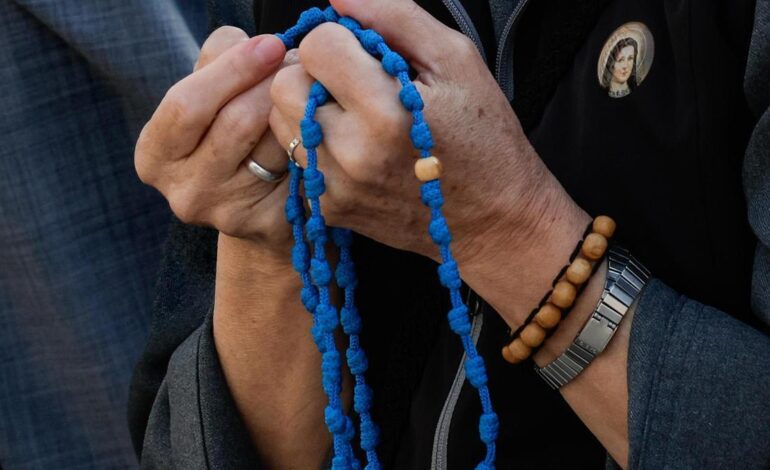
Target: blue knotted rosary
316	273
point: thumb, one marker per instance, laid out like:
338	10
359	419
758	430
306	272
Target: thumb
406	27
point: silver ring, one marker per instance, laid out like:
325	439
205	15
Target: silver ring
292	148
265	175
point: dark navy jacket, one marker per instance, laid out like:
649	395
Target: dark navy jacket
681	160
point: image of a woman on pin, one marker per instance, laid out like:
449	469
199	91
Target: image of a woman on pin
626	59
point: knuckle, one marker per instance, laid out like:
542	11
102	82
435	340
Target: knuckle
238	66
463	46
144	163
177	107
320	41
240	122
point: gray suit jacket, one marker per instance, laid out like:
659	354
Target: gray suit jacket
80	236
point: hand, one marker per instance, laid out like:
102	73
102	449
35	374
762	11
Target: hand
194	146
193	150
489	166
513	224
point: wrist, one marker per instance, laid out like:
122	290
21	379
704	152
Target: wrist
250	271
515	261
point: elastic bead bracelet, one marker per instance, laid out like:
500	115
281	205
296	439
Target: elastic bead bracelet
566	287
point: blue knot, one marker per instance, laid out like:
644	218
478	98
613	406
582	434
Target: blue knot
319	93
373	465
371	40
449	275
315	228
342	237
300	257
484	466
351	321
349	23
439	231
475	371
488	427
314	183
421	136
318	338
331	14
430	193
320	272
410	98
346	275
362	398
330	382
357	361
309	296
370	435
341	462
311	18
350	430
458	320
326	318
294	210
394	63
312	134
330	371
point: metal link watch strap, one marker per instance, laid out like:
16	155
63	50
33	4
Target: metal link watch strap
626	278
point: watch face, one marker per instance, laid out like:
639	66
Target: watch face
626	59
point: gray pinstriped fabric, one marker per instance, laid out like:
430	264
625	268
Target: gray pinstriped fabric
80	236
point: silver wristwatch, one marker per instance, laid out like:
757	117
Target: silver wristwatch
625	279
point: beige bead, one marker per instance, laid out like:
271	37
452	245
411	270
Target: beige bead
563	294
428	169
508	356
604	226
548	316
519	351
533	335
579	271
594	247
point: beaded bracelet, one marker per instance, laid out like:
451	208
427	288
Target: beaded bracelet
567	286
317	276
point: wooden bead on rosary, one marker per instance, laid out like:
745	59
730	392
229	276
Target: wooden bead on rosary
428	169
565	291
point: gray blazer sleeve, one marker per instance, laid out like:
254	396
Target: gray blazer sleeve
194	414
699	380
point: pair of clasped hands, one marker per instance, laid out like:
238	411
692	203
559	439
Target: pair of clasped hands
513	224
246	98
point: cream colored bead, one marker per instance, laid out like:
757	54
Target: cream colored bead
548	316
604	226
508	356
594	247
563	294
519	351
579	271
428	169
533	335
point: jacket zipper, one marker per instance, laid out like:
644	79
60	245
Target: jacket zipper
466	25
504	76
504	60
441	435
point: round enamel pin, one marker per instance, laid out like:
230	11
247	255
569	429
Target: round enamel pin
626	59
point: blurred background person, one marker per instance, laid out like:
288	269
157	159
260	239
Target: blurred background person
80	236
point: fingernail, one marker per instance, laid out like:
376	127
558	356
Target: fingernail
269	48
